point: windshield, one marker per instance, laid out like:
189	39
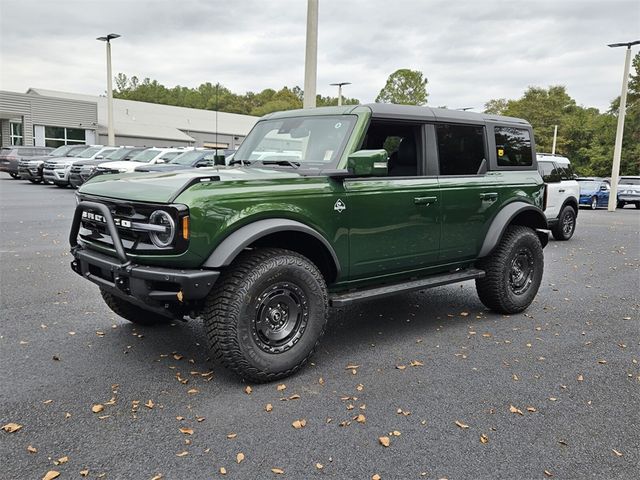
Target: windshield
146	156
630	181
317	140
87	153
118	154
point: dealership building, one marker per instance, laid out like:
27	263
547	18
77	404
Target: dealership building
51	118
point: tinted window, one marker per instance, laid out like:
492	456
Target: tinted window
513	147
460	149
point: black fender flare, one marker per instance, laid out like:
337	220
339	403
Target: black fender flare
505	217
231	246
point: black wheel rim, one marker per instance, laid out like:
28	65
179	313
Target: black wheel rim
568	223
281	317
521	272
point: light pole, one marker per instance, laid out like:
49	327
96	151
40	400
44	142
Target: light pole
339	85
617	150
311	55
111	136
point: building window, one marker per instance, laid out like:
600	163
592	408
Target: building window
16	133
57	136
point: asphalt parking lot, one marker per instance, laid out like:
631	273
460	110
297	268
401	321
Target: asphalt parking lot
460	392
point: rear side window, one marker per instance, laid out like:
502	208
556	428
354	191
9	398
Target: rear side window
460	149
513	147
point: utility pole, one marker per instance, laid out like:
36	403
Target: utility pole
111	139
311	55
617	150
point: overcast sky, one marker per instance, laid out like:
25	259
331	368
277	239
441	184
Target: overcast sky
470	51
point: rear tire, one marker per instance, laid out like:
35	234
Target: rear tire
266	314
513	271
566	225
132	312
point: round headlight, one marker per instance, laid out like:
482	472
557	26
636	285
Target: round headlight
160	217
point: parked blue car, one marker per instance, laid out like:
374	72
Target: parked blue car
594	193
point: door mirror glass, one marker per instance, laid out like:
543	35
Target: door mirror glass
368	163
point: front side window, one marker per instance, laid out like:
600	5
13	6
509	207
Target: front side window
460	149
513	147
313	140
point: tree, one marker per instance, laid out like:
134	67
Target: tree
404	87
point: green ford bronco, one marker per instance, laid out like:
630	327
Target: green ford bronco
318	208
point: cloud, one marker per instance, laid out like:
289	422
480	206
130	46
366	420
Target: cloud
470	51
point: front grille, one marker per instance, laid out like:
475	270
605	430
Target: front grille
133	241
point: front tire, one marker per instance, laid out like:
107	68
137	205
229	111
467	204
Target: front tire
132	312
266	314
566	225
513	271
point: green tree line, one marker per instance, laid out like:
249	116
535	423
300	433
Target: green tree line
211	96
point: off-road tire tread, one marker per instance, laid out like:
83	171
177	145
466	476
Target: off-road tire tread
490	288
224	304
131	312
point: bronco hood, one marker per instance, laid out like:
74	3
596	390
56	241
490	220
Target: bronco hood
165	187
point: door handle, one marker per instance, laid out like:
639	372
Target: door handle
425	200
493	196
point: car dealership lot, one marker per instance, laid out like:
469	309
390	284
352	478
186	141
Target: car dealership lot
556	388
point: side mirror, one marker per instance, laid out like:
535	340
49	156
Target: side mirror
368	162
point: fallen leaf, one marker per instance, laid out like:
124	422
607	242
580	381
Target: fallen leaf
11	427
239	457
50	475
281	387
513	409
97	408
277	471
616	452
248	390
461	425
268	407
149	404
384	441
184	453
361	419
299	423
484	438
187	431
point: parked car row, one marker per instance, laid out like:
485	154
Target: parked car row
75	164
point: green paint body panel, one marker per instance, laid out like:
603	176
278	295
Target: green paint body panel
392	228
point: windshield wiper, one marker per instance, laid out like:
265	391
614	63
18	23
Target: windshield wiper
286	163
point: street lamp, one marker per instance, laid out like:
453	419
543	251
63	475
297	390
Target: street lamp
617	151
339	85
111	136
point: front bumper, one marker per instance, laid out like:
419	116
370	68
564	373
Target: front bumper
153	288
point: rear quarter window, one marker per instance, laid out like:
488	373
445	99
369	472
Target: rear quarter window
513	147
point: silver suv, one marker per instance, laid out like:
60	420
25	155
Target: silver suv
562	194
629	191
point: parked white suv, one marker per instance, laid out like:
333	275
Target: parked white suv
562	194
